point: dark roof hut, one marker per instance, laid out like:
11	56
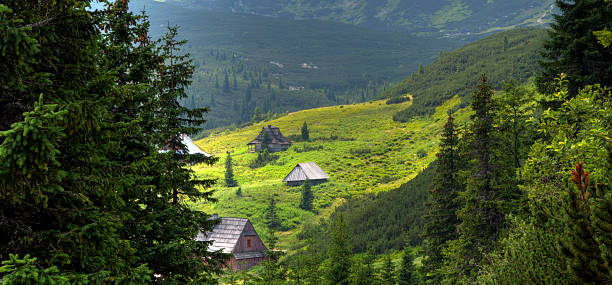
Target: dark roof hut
238	237
306	170
275	141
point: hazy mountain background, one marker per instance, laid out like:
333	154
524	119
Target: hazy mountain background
421	17
258	59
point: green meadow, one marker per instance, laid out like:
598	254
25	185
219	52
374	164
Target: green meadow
359	146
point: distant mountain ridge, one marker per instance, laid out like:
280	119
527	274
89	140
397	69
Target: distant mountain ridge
249	64
437	18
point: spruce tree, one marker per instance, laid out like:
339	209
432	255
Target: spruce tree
229	173
407	274
338	254
441	220
362	270
305	133
89	148
573	47
271	216
387	275
307	196
490	188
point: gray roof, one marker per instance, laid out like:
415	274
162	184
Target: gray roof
305	170
225	235
191	147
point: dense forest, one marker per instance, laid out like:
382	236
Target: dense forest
505	56
520	192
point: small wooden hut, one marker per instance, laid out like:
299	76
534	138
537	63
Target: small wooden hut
275	140
303	171
238	237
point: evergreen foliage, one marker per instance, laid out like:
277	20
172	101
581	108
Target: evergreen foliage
263	157
441	220
273	271
272	220
386	221
305	133
85	190
339	254
490	188
407	274
573	48
230	181
387	274
307	196
362	269
457	72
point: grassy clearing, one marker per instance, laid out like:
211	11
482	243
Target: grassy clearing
361	148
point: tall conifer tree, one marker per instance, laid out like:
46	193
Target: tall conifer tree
339	254
573	47
229	172
441	218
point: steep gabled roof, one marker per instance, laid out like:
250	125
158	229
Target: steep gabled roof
274	133
191	147
224	235
305	170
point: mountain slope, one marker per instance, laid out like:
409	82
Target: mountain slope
359	146
281	65
510	55
425	17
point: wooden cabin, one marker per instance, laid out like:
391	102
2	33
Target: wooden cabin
303	171
238	237
276	141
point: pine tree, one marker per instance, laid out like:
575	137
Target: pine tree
239	192
388	271
229	173
407	274
305	133
338	254
573	48
441	221
307	196
490	192
271	216
362	270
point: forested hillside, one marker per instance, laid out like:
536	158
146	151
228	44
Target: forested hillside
506	56
387	221
254	66
437	18
481	168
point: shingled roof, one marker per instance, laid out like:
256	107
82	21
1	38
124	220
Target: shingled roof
225	235
275	135
305	170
